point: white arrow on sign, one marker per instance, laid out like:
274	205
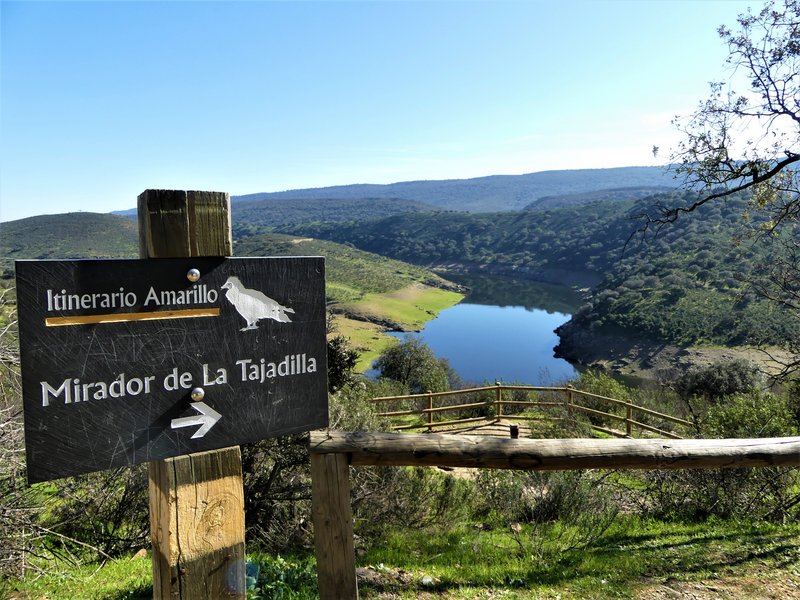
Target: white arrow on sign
207	418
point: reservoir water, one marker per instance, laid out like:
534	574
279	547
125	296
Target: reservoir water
503	331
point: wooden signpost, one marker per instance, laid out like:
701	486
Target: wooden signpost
128	361
184	352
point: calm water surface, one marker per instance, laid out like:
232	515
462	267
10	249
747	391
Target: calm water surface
504	331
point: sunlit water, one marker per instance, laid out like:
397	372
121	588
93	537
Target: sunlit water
489	342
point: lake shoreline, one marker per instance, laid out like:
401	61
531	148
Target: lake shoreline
653	361
368	322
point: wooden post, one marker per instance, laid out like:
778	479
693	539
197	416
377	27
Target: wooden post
430	411
628	418
569	401
196	501
333	527
498	403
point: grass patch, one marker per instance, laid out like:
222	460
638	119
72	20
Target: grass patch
368	339
276	577
408	309
633	557
339	293
121	579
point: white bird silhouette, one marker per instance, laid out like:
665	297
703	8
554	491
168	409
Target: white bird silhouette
253	305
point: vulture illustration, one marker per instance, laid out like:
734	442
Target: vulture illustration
253	305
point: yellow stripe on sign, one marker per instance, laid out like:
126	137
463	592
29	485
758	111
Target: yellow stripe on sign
188	313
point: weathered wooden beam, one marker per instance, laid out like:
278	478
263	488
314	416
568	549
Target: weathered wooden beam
196	501
397	449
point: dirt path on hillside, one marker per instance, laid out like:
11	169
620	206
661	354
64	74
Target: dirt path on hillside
774	584
768	584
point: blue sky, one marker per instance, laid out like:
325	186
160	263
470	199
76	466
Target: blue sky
101	100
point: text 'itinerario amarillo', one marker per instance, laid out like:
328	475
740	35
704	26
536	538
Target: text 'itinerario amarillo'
63	300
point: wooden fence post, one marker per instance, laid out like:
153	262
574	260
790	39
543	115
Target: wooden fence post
196	501
628	418
430	410
498	403
569	401
333	527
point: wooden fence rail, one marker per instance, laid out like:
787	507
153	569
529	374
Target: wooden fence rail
425	449
332	452
495	403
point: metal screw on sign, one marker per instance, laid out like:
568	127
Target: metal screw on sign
198	394
193	275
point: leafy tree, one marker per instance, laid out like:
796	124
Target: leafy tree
342	361
749	141
413	363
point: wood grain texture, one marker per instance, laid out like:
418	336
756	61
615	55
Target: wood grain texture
175	223
396	449
197	526
333	527
196	501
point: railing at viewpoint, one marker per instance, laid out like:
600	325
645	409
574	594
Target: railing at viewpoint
494	403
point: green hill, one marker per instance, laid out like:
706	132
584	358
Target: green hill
368	293
690	284
571	245
252	216
536	191
695	284
70	235
566	200
351	273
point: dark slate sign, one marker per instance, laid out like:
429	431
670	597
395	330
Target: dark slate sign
126	361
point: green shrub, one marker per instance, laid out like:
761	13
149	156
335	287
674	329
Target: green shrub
754	493
342	361
408	497
757	414
574	507
719	379
106	511
279	578
602	384
413	364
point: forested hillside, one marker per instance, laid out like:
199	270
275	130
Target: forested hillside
259	215
70	235
689	283
350	273
574	245
695	283
626	193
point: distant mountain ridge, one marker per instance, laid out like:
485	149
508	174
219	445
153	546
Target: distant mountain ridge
493	193
490	193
